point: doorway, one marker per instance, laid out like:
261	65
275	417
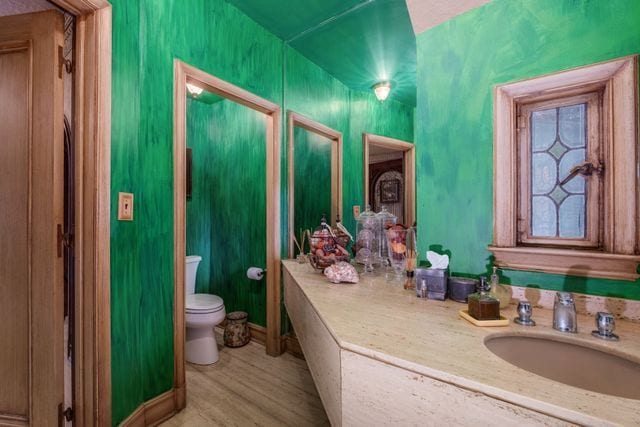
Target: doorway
389	176
185	74
53	183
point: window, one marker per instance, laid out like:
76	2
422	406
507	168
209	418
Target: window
565	181
560	171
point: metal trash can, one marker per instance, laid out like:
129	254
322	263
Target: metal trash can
236	331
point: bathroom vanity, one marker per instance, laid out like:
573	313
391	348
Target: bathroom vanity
381	356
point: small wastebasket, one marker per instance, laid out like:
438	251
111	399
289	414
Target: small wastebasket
236	332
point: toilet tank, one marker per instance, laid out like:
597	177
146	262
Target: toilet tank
190	271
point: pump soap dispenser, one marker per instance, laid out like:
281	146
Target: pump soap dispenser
498	291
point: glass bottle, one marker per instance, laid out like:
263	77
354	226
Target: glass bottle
396	237
483	306
367	246
498	291
387	220
412	258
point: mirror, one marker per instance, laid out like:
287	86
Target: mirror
315	171
389	176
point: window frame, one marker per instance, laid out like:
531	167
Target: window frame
617	257
593	193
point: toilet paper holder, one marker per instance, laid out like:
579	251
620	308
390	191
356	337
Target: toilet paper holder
256	273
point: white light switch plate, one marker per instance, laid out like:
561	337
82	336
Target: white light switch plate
125	206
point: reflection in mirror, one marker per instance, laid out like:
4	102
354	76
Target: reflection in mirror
389	176
315	175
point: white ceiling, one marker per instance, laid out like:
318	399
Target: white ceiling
382	154
18	7
427	14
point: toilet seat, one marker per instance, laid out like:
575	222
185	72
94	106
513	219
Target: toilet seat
203	303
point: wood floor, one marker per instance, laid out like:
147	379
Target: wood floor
246	387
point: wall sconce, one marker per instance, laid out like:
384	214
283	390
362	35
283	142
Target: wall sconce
382	90
193	89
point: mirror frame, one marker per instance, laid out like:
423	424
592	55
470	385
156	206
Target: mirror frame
297	119
409	165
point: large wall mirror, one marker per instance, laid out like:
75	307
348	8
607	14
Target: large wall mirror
315	175
389	176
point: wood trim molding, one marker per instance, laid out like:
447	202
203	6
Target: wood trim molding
296	119
409	164
618	81
569	262
184	73
292	345
92	131
153	412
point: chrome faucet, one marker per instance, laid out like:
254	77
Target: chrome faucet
564	313
606	324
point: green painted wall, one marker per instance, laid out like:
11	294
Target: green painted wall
225	227
216	37
459	63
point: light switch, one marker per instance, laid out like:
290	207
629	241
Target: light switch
356	211
125	206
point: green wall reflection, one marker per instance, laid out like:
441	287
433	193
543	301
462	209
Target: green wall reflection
312	180
224	225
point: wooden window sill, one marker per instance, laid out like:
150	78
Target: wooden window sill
571	262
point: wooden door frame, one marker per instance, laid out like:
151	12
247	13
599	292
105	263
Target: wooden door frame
92	139
409	165
184	73
296	119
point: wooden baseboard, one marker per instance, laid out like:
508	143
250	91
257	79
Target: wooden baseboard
153	412
292	345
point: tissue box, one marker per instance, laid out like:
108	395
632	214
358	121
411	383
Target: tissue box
436	282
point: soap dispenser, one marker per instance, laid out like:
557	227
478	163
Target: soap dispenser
483	306
498	291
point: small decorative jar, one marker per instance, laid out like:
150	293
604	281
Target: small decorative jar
368	240
387	220
236	332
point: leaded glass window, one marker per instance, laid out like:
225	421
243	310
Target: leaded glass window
558	142
558	137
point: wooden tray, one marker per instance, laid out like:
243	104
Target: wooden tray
503	321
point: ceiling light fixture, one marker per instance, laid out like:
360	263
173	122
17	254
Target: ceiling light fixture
382	90
193	89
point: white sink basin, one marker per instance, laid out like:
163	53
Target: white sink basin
571	364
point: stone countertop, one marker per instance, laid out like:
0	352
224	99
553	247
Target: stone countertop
385	322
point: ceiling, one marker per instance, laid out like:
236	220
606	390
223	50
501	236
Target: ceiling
427	14
360	42
17	7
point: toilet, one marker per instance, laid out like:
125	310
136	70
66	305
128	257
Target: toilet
202	313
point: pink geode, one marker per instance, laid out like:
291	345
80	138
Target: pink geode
341	272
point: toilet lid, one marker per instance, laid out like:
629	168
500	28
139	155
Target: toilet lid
203	303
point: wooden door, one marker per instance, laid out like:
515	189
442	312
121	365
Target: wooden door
31	206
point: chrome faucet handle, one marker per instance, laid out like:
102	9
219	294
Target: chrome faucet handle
564	313
524	314
606	324
564	298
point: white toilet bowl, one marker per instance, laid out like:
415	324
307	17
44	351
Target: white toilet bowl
202	313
